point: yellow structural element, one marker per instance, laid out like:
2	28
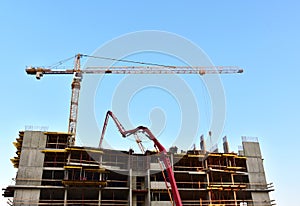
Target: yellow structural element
64	133
84	183
84	149
216	205
53	150
199	155
72	167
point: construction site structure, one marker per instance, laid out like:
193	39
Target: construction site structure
77	73
52	172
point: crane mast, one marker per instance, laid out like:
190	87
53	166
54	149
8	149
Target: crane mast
77	72
74	100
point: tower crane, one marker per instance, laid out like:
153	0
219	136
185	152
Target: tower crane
77	73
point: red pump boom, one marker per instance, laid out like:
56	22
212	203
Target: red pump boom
164	158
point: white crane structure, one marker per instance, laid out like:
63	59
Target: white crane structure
77	73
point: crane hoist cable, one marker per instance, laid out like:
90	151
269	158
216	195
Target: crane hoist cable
55	65
129	61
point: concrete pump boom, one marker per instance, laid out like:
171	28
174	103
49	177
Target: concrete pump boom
164	158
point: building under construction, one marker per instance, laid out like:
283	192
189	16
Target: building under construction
52	172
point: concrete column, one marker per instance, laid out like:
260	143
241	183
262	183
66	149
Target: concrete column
209	197
130	187
30	169
100	160
66	197
202	144
209	192
234	196
257	178
234	192
148	196
133	187
225	145
99	199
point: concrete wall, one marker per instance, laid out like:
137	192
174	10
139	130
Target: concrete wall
26	197
155	166
161	203
256	173
30	168
158	185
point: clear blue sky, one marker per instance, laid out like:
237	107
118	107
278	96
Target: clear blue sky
260	36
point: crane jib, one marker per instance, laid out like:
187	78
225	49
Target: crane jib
138	70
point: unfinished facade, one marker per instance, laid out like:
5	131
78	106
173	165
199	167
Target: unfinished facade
52	173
